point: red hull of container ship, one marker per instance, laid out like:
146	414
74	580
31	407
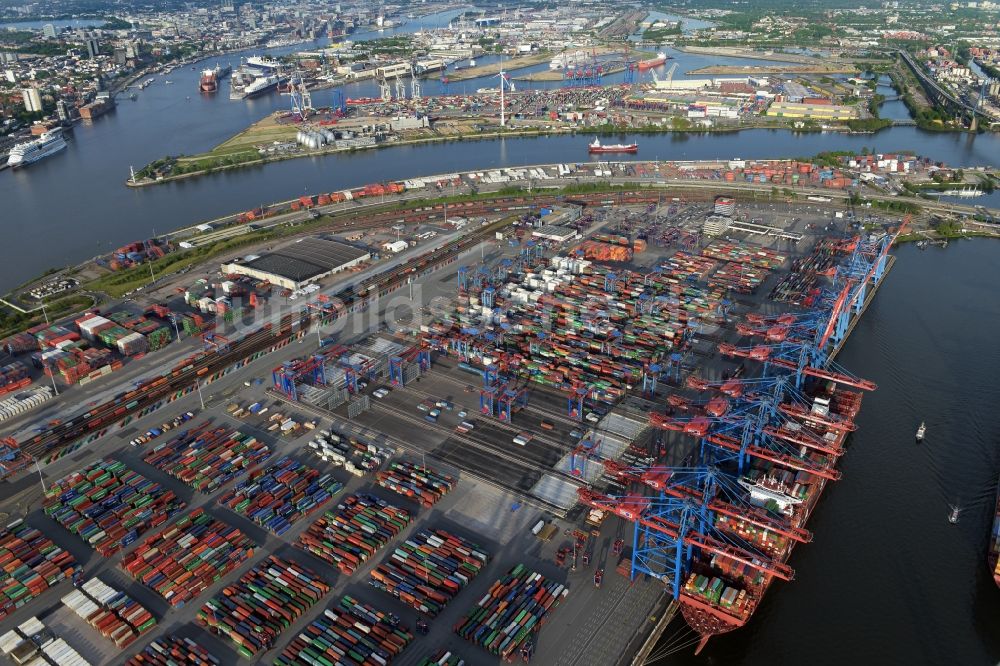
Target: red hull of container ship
710	619
652	62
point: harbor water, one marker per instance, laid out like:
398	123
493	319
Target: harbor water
75	205
887	579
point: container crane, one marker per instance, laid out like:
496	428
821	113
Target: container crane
668	528
215	341
866	266
658	478
798	357
755	427
287	375
397	363
668	77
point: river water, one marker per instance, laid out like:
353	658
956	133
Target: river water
57	24
70	207
887	579
73	206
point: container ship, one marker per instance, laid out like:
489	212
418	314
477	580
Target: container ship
723	587
721	594
993	557
210	78
653	62
97	108
47	144
597	147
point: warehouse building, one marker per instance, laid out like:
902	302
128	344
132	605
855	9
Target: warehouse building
813	111
554	233
298	264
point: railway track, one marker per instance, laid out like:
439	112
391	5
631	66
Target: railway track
544	414
502	425
48	445
527	466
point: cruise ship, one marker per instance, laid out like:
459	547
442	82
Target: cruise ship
261	85
263	63
49	143
256	76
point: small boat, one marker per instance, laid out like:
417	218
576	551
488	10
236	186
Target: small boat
921	431
956	510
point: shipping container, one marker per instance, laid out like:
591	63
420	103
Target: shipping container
30	563
184	558
173	651
351	535
254	611
206	458
513	609
428	569
420	483
277	496
108	505
350	633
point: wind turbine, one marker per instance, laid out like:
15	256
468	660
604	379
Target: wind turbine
504	81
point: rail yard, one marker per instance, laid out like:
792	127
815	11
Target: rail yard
592	403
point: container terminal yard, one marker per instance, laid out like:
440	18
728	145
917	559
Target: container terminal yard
601	414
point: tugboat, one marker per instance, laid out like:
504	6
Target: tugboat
921	431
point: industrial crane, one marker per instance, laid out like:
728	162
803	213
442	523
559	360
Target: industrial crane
866	266
795	407
398	362
668	77
801	358
757	425
286	375
669	528
675	482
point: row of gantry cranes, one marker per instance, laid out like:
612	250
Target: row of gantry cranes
736	499
735	465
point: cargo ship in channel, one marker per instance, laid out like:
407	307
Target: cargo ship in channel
660	58
993	556
597	148
29	152
210	78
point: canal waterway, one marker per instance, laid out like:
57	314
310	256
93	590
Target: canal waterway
887	579
74	205
58	24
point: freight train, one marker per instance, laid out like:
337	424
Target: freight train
50	444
